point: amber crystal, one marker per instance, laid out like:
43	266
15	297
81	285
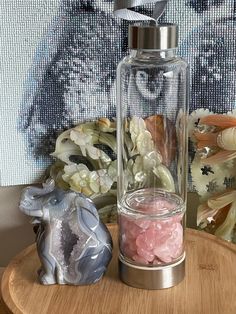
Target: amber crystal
164	136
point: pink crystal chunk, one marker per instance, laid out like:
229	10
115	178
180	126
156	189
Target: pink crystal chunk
151	240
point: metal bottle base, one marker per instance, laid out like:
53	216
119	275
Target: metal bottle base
152	278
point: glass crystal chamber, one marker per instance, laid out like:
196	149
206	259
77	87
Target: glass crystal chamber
152	108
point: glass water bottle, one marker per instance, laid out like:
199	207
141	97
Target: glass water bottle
152	108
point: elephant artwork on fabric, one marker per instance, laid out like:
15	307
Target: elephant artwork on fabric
74	246
73	77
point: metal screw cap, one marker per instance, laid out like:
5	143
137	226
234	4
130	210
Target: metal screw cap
161	37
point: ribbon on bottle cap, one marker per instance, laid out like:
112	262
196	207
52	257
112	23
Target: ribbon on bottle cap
121	9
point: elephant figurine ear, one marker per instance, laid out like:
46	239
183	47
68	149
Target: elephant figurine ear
87	214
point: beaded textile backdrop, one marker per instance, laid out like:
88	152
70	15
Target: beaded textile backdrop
58	67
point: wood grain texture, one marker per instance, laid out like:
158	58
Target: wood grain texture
1	273
2	306
209	286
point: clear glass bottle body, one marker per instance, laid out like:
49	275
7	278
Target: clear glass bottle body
152	93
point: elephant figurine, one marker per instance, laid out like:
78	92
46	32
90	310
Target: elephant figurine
74	246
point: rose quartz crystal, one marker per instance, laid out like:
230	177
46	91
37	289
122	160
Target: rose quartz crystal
152	241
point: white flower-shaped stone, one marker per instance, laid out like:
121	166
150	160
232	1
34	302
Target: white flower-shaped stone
140	136
87	182
209	179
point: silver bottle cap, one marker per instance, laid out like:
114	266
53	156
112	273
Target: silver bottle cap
162	37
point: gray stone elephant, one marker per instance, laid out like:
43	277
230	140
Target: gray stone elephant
74	246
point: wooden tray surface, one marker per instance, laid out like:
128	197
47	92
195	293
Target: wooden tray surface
209	286
2	306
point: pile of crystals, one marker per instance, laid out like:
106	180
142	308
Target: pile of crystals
152	241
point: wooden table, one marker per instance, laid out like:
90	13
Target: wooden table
2	306
209	286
